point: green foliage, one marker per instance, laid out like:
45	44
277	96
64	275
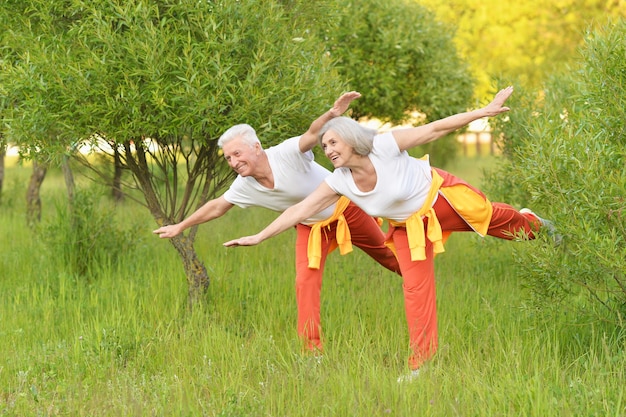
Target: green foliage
168	69
405	64
401	58
510	131
182	72
567	153
125	345
84	235
159	82
526	41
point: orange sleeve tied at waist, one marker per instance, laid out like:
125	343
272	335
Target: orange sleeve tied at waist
343	239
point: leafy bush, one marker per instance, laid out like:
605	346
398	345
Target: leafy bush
85	235
566	156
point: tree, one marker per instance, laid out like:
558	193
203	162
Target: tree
4	104
403	60
566	149
157	82
3	111
3	148
402	57
521	41
33	196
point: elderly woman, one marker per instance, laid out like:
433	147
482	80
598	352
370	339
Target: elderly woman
422	204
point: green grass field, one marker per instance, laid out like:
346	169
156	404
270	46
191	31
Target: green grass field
119	341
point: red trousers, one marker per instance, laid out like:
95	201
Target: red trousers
366	234
419	276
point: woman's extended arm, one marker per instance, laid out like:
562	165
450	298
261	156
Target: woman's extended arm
409	138
317	201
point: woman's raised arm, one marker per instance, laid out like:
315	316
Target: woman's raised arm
411	137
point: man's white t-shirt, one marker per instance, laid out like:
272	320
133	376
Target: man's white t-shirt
402	182
296	175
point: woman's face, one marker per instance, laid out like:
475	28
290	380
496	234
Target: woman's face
338	151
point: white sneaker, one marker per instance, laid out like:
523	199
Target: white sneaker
547	224
410	377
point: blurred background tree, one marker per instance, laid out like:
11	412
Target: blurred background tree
404	62
521	42
563	143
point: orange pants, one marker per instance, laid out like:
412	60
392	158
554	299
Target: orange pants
366	234
419	276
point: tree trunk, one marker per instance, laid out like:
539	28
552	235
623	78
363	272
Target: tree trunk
3	152
33	199
68	176
118	195
195	271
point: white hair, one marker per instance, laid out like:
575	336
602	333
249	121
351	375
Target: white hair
243	131
357	136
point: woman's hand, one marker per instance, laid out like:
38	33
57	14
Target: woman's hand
496	106
244	241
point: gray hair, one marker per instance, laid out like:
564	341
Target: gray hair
357	136
243	131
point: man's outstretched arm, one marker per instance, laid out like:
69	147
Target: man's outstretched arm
210	210
309	139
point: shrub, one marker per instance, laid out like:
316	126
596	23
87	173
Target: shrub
84	235
566	156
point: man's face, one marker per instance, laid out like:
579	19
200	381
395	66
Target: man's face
241	157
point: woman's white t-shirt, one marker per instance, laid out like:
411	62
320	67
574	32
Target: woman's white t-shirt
296	175
402	182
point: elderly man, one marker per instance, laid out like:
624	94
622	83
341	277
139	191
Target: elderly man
278	178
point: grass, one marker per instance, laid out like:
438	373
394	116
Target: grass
121	342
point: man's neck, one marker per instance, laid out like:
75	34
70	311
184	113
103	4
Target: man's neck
264	174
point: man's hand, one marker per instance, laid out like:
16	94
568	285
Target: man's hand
168	231
343	103
309	139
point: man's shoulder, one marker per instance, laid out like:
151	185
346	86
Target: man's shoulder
289	149
291	144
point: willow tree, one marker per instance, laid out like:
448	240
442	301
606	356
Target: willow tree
5	99
565	157
155	83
